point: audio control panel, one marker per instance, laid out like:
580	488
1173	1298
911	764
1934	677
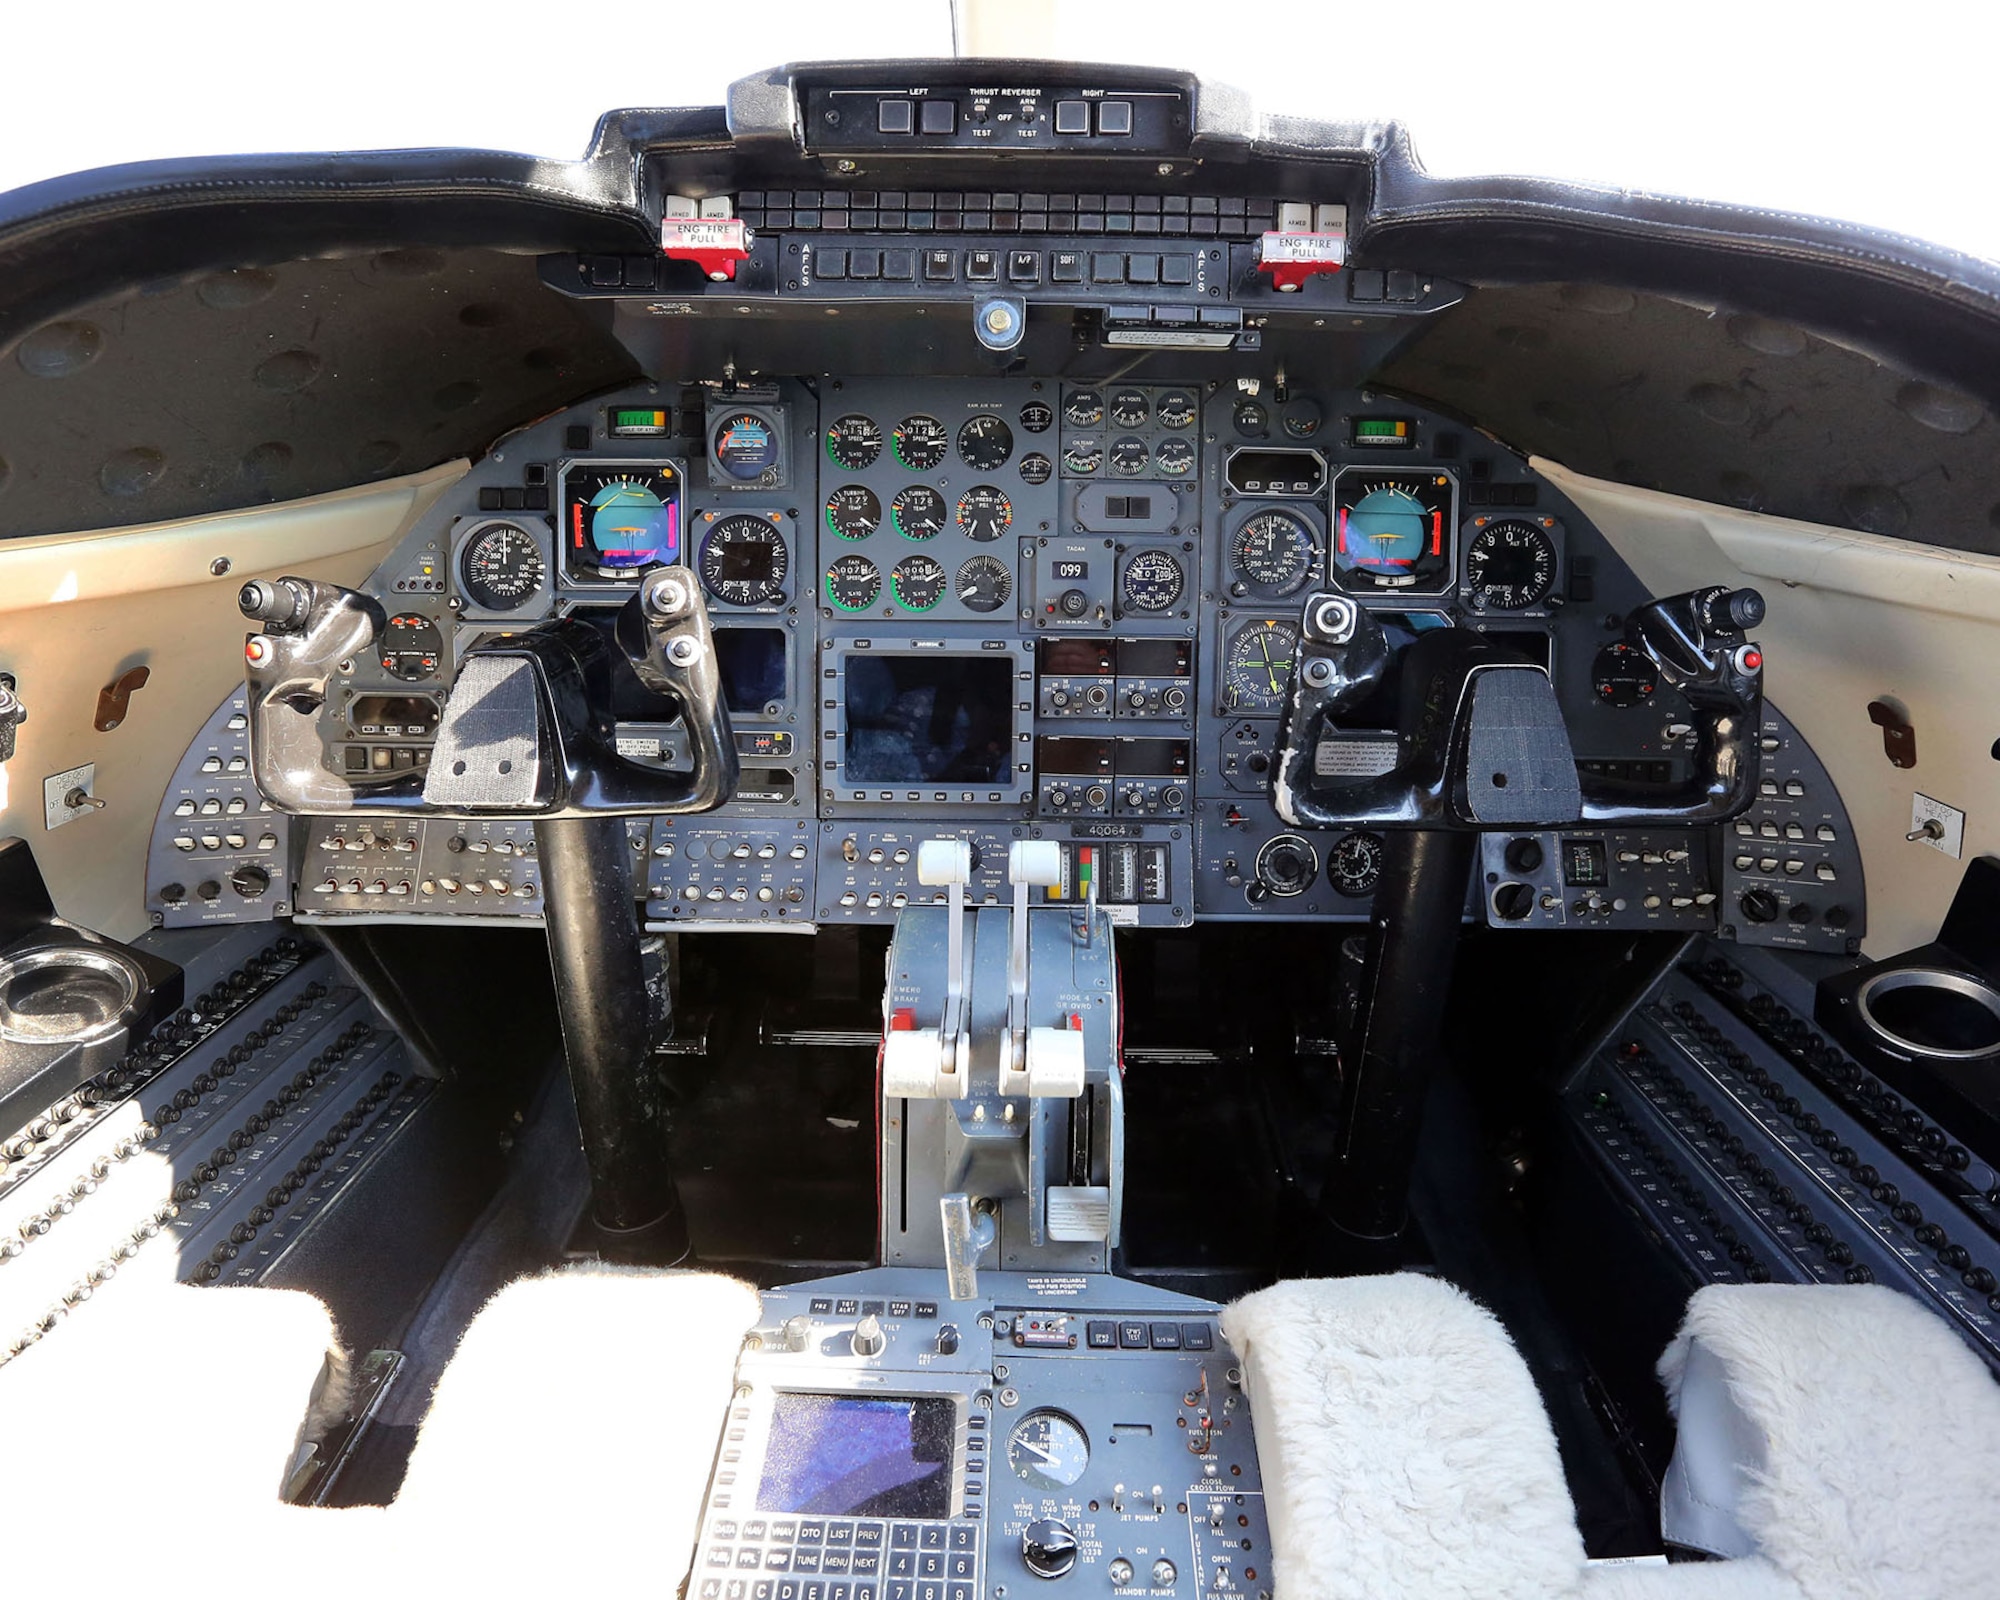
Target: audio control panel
888	1443
746	873
419	867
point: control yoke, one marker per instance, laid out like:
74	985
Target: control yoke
1482	741
528	726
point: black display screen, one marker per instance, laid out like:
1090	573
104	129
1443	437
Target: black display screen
929	718
854	1456
752	663
745	561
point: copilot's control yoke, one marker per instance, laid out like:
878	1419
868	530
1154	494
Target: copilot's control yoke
1003	1108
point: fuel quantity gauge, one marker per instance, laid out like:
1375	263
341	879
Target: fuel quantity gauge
1048	1450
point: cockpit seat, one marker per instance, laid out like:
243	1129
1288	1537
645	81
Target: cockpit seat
169	1397
1404	1448
572	1434
1845	1433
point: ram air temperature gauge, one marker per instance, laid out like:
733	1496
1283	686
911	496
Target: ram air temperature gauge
1272	554
853	582
410	647
501	567
853	511
1510	565
1392	530
744	561
919	582
921	443
1152	581
984	584
1048	1450
1257	665
984	513
985	443
918	512
854	442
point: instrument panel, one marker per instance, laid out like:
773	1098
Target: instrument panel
1015	606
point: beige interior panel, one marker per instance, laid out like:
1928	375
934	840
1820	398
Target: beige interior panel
1853	618
79	610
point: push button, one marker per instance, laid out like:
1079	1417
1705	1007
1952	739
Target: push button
1101	1335
1107	268
1132	1335
895	116
982	266
1024	266
1072	116
1114	116
940	266
1066	266
939	116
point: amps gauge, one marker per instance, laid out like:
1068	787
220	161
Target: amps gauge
1394	530
501	567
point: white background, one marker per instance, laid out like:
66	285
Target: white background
1884	114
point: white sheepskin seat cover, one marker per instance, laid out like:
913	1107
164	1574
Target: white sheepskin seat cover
1881	1470
571	1437
1403	1446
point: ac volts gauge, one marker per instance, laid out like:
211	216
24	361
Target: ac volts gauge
744	560
1510	564
1393	530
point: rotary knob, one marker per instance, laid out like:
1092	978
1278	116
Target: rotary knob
1048	1548
869	1340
